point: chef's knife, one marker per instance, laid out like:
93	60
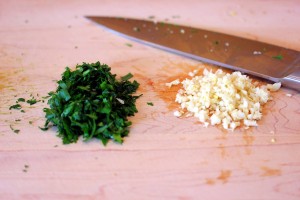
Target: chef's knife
260	59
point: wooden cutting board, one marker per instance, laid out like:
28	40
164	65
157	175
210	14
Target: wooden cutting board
164	157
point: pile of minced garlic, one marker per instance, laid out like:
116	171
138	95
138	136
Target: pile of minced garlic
222	98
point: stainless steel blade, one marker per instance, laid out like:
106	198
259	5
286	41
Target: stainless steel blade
252	57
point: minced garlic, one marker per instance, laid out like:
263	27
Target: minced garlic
175	82
222	98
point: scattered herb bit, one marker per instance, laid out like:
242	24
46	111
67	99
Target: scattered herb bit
14	130
16	106
161	23
22	111
128	44
30	122
20	100
150	103
278	57
17	120
86	104
216	42
32	101
43	128
126	77
46	97
26	167
55	146
194	31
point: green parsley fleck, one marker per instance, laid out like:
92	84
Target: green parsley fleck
278	57
128	44
20	100
16	106
32	101
150	103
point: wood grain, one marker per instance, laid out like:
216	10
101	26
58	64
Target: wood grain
164	157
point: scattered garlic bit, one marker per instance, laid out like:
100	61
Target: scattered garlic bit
274	87
288	95
257	53
273	140
175	82
120	100
177	113
193	73
230	100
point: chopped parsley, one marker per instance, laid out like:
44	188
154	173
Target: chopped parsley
128	44
16	106
278	57
150	103
20	100
31	101
91	102
14	130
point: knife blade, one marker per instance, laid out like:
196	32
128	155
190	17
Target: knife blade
271	62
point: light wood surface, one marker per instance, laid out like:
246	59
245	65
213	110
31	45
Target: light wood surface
164	157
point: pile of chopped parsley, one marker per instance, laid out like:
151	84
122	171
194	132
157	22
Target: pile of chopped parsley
91	102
